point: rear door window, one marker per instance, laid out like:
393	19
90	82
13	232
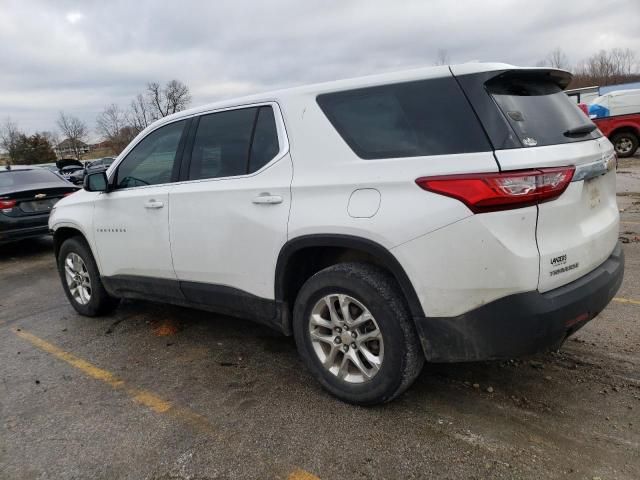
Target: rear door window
265	144
427	117
539	112
234	142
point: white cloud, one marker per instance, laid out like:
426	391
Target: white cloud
223	49
74	17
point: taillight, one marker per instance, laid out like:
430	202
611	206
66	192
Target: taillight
7	204
488	192
69	193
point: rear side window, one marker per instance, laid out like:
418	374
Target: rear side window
539	112
234	142
428	117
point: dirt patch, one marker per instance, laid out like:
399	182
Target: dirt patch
164	327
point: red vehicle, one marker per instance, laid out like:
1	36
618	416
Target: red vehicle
623	131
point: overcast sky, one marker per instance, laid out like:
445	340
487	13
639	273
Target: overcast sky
78	56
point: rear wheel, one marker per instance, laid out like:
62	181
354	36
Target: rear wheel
354	333
625	143
81	279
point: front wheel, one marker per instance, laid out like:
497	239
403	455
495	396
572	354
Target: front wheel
625	144
81	279
355	334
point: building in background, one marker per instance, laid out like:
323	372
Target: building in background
65	149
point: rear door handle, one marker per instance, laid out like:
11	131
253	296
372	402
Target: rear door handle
267	198
153	204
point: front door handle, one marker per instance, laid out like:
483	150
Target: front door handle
267	198
153	204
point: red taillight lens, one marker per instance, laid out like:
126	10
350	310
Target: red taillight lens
68	193
7	204
488	192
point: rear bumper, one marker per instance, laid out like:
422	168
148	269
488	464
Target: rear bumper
17	228
523	323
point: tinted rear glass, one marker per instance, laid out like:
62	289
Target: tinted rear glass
234	142
265	144
18	178
221	146
539	112
428	117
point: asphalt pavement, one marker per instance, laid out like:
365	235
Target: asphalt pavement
160	392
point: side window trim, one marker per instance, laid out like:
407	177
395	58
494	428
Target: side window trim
283	141
251	139
185	161
113	178
177	162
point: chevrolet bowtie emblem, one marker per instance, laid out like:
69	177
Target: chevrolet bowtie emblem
41	195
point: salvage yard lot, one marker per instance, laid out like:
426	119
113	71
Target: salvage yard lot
163	392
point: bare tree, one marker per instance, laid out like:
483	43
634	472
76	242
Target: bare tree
139	117
113	125
50	136
75	132
9	138
558	59
442	57
171	98
624	60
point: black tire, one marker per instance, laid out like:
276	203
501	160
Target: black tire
627	139
100	302
377	290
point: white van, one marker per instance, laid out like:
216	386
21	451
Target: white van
619	102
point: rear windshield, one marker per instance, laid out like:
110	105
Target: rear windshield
26	177
539	112
427	117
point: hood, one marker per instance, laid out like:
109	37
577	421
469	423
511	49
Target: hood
66	162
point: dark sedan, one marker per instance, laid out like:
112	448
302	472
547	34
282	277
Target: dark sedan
27	195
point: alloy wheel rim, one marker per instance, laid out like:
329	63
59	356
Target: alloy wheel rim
346	338
78	279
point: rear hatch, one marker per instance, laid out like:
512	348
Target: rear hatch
533	124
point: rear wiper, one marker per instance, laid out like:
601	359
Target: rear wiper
581	130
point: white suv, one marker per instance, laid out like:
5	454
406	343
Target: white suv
449	214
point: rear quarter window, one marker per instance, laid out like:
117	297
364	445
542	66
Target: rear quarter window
427	117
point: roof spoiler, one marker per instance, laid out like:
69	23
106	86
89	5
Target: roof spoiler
562	78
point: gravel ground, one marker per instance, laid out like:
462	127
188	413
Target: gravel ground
158	392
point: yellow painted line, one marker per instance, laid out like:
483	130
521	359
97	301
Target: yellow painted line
142	397
626	300
301	475
86	367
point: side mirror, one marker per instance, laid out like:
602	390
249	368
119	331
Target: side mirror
96	182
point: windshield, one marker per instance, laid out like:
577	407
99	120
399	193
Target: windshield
18	178
539	112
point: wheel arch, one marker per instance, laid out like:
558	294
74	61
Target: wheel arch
303	256
627	127
64	233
